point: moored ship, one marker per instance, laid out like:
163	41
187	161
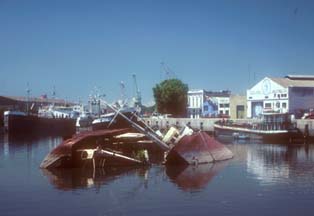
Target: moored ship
20	123
273	127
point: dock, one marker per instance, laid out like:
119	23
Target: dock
207	124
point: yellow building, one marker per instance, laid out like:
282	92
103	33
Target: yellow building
238	106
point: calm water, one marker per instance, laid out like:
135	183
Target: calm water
262	179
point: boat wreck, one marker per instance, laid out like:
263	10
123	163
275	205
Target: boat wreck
89	149
94	147
198	148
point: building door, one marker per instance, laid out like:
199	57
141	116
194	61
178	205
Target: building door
240	111
257	109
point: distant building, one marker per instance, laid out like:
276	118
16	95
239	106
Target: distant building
203	103
292	93
238	106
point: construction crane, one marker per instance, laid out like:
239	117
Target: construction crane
122	101
137	93
168	72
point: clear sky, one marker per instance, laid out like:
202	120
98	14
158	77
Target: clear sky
213	45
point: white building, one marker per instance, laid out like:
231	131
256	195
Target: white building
292	93
203	103
195	103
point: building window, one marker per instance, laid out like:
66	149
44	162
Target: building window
278	104
267	105
205	108
224	105
283	95
227	112
284	105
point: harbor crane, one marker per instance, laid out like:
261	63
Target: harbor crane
169	73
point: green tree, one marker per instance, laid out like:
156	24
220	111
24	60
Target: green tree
171	97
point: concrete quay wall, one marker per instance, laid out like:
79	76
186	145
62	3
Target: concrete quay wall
301	125
207	124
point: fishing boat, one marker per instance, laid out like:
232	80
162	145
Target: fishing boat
272	127
113	120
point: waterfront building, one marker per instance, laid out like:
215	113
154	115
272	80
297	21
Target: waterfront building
238	106
292	93
203	103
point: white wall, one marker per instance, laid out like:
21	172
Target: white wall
268	92
195	101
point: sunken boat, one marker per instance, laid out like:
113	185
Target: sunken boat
197	148
273	127
93	147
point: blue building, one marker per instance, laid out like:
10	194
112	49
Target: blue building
203	103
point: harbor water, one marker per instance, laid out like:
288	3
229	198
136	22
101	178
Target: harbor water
261	179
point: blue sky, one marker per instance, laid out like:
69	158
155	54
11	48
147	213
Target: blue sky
212	45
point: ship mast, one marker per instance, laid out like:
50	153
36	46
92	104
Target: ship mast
28	91
138	98
53	95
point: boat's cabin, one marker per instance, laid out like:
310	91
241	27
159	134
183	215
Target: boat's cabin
276	121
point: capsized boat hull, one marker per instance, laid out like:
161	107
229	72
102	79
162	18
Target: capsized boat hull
83	149
198	148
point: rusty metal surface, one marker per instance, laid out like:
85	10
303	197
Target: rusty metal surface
198	148
67	147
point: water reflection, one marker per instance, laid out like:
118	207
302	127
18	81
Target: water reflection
269	164
274	164
12	145
80	178
193	178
